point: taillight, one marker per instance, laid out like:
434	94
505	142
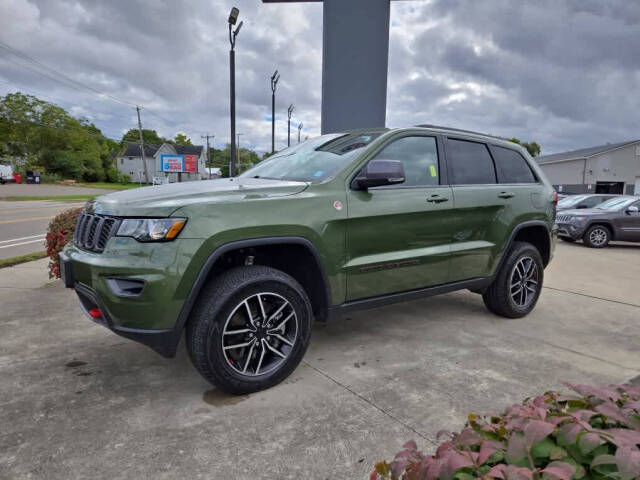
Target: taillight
555	197
95	313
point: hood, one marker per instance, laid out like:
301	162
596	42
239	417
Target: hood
584	211
162	200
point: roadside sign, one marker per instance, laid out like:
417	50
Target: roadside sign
191	163
171	163
178	163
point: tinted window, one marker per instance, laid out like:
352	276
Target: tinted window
419	156
512	167
469	163
593	201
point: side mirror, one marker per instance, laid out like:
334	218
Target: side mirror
378	173
582	206
632	209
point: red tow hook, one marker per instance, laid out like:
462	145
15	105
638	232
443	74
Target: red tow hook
95	313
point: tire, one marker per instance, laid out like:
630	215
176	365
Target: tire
222	308
500	298
568	239
597	236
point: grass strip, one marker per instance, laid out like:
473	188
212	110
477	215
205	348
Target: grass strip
55	198
29	257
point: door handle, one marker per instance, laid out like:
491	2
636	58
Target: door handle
437	199
505	195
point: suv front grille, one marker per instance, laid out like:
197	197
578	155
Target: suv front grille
94	231
563	218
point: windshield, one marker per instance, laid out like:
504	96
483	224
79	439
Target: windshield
313	160
616	204
570	201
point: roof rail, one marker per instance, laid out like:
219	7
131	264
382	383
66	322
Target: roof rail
459	130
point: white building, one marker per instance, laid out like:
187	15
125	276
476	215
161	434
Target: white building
130	162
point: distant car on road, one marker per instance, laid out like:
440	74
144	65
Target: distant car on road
616	219
583	201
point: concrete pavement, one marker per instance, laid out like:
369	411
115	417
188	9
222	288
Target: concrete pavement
77	401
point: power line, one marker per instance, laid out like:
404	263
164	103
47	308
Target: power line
52	99
31	60
56	76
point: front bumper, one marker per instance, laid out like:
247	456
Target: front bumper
149	314
572	230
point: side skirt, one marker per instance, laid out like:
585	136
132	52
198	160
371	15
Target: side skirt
474	284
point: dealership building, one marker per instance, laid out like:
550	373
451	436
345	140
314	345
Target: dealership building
611	168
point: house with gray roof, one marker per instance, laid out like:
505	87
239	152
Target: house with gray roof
610	168
130	162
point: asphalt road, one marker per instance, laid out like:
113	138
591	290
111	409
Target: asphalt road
77	401
23	225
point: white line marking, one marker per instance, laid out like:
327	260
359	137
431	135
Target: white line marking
22	243
24	238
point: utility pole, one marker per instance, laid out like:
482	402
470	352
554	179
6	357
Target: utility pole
238	149
299	128
289	113
274	82
233	17
207	136
144	160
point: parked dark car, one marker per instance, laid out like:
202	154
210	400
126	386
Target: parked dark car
583	201
616	219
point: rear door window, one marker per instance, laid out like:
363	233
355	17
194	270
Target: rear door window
511	166
469	163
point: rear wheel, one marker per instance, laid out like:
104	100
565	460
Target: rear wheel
516	288
250	329
597	236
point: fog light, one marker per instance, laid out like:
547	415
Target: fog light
95	313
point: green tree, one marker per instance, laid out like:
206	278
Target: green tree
182	139
148	136
220	159
44	137
532	147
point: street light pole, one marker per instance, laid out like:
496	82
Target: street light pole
233	17
299	128
289	113
274	82
238	150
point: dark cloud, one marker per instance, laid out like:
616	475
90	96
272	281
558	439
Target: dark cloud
563	73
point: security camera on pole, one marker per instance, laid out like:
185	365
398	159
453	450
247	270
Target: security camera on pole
289	113
233	18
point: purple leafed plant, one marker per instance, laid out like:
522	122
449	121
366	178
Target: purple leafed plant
593	433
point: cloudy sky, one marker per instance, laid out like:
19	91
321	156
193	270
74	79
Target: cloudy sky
563	73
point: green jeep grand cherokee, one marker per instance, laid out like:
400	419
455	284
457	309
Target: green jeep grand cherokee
339	222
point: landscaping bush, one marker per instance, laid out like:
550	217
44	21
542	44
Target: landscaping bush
593	434
59	234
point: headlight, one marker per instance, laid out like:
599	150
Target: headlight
151	229
577	219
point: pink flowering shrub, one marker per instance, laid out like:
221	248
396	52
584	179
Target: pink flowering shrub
592	434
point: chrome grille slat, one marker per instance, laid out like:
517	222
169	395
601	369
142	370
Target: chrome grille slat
94	231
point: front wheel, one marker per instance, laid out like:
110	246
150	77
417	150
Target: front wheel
597	236
516	288
250	329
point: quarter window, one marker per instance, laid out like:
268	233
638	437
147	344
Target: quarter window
469	163
512	167
419	156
